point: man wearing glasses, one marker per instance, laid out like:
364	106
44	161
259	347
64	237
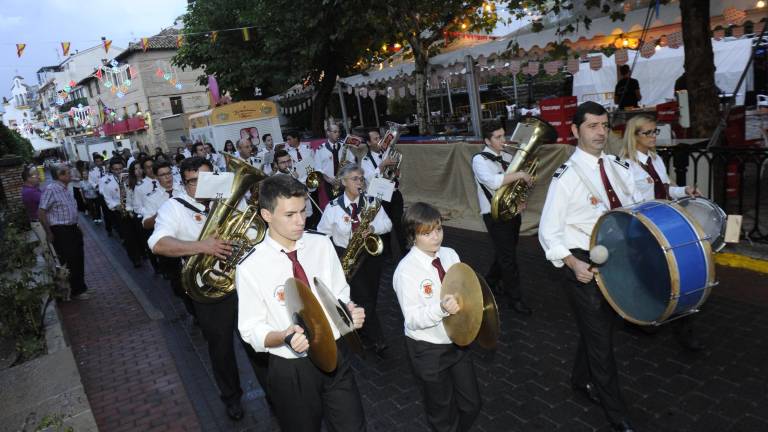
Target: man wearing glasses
177	226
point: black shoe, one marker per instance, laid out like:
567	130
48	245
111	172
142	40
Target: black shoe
622	426
520	307
235	411
589	391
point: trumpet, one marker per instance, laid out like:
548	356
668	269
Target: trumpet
312	182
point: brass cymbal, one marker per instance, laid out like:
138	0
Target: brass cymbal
306	312
339	316
461	281
490	328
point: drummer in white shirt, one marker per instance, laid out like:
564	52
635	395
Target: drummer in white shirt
302	395
652	182
446	372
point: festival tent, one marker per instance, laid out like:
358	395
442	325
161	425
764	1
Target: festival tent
657	74
40	144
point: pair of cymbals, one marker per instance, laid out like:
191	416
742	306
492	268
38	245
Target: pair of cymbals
478	316
307	311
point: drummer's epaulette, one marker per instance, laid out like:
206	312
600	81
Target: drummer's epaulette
247	255
560	170
621	163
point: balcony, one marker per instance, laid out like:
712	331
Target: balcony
126	126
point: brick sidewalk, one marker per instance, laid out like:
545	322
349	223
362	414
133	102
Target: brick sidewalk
127	370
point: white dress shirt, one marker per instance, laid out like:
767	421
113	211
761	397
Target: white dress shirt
324	157
143	190
157	198
337	223
109	187
307	155
177	221
571	211
95	175
417	285
644	182
370	164
489	174
260	280
186	153
176	174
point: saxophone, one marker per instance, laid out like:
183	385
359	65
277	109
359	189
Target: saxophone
507	201
205	278
371	243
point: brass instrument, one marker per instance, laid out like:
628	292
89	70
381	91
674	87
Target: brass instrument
390	139
508	200
313	178
478	315
122	183
349	139
371	243
206	278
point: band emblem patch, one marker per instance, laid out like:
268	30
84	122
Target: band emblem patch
426	288
280	295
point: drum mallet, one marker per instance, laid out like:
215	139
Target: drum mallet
598	255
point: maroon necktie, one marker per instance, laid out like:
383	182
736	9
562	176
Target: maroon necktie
335	158
355	220
439	266
612	197
298	154
659	188
298	270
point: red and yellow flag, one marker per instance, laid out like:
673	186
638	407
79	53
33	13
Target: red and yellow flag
144	44
246	34
214	36
65	48
20	49
107	43
179	41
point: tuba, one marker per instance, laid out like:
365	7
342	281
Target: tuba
205	278
508	199
372	243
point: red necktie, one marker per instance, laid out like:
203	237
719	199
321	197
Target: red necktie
612	197
355	220
298	270
439	266
659	188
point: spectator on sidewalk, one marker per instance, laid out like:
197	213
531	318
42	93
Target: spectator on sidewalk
58	215
30	196
90	197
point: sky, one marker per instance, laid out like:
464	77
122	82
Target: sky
44	24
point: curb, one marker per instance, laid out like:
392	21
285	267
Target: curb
742	261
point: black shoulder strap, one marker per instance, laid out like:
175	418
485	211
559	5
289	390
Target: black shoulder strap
373	161
492	158
189	206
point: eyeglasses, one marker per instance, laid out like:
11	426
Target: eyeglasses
355	179
652	132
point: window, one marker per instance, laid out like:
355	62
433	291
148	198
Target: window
176	106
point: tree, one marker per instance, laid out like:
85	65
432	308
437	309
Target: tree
309	43
12	143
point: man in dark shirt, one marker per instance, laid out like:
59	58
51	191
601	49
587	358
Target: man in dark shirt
627	91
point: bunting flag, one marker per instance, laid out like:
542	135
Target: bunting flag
372	94
675	40
621	57
734	16
144	44
246	34
65	48
401	91
20	49
214	36
595	62
99	74
552	67
573	66
363	92
648	49
132	71
514	67
532	69
179	41
106	43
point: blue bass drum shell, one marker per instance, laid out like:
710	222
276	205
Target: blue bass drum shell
660	264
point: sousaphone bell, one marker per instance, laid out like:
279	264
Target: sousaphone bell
478	316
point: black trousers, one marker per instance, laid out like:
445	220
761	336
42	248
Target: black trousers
79	199
364	290
68	243
106	214
594	361
394	210
302	395
447	375
218	322
144	247
126	225
504	236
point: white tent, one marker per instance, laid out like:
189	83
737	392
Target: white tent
40	144
657	75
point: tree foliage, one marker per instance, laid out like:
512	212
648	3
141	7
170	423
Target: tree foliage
12	143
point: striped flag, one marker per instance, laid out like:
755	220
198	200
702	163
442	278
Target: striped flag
621	57
107	43
65	48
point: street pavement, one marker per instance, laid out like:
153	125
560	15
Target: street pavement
145	365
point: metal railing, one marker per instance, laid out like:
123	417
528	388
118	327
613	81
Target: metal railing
735	178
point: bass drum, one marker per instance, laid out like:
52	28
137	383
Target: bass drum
659	266
710	217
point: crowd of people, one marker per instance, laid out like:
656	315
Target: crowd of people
314	204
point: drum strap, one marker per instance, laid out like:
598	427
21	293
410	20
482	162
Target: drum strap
590	187
617	176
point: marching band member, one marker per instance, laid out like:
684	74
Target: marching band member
340	221
374	164
652	182
131	219
245	148
302	395
445	371
147	187
583	188
490	167
216	159
284	165
94	178
178	224
328	158
112	189
302	153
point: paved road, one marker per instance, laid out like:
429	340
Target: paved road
147	365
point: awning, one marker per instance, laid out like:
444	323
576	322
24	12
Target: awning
40	144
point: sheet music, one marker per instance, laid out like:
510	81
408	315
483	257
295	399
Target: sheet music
381	188
523	133
214	185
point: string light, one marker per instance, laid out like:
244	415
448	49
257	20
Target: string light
760	4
